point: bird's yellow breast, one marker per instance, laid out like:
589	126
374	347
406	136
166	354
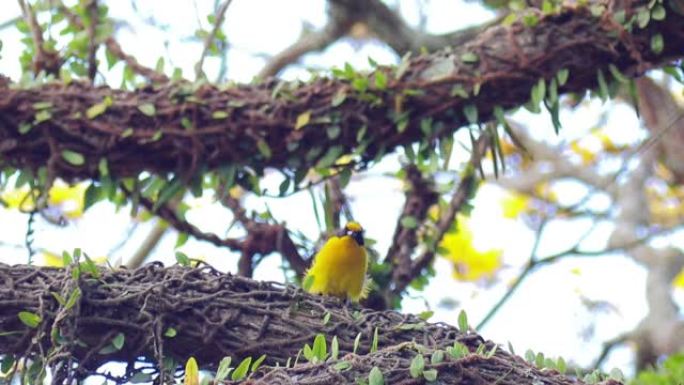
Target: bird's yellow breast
339	269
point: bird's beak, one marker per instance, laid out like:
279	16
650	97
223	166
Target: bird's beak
358	237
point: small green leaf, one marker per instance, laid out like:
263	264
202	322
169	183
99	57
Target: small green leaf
127	132
326	318
74	296
334	348
603	86
342	365
470	57
459	91
470	112
658	12
103	167
357	340
24	128
42	105
437	357
562	76
181	239
220	115
73	157
380	80
170	333
409	222
657	43
148	109
223	369
118	341
182	259
374	343
538	92
320	347
264	149
430	374
42	116
257	363
643	17
339	98
7	363
141	378
417	366
330	157
29	319
95	110
617	74
375	377
303	119
241	371
426	315
463	321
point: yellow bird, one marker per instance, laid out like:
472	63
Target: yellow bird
339	268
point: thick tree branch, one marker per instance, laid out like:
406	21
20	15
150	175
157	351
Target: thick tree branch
260	129
213	315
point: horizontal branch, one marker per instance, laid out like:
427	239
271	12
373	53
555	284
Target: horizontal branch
178	312
183	128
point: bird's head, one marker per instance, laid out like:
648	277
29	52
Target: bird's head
354	230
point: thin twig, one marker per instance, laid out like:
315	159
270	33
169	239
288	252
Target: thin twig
92	39
458	200
218	22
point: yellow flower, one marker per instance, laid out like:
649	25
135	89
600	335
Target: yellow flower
67	199
678	281
470	263
514	204
588	157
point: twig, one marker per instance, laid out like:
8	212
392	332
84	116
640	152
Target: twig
531	264
218	22
115	48
49	62
308	42
92	39
534	263
150	242
458	199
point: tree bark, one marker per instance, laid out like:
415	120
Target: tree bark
183	128
178	312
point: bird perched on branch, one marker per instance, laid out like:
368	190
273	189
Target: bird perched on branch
339	268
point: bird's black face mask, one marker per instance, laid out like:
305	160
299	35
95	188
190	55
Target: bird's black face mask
357	236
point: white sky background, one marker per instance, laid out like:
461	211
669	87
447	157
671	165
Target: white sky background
546	314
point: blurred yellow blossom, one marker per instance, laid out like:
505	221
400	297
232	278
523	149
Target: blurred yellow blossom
68	199
470	264
514	204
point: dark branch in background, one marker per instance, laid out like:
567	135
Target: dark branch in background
338	202
420	195
256	123
94	19
115	48
263	239
168	213
209	41
214	315
390	27
50	62
459	198
338	24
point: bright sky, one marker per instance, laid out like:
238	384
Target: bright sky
546	314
